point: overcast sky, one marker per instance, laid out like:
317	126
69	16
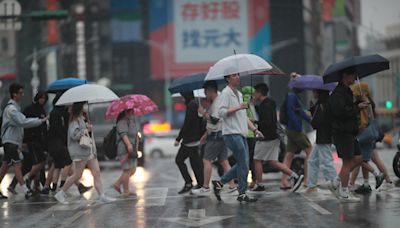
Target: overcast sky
376	15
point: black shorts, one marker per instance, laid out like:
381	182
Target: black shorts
37	152
11	154
346	146
60	155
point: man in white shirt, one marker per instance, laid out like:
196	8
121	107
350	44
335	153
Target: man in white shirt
234	130
215	147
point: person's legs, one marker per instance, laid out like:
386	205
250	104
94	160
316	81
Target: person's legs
79	166
313	165
3	170
197	165
308	152
258	169
251	142
287	161
207	173
354	175
281	167
326	160
94	167
381	166
125	180
180	158
226	167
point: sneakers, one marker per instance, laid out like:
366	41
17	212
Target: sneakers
217	187
105	199
3	196
61	197
45	191
201	191
379	180
12	190
258	188
363	190
348	198
186	189
296	182
28	194
334	188
245	198
230	190
387	186
82	188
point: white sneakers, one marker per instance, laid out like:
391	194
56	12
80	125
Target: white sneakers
201	191
106	199
61	197
348	197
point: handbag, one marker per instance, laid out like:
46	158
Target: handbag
372	132
86	141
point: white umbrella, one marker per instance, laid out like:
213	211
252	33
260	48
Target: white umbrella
90	93
242	64
197	93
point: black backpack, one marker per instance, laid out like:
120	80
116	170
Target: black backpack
110	143
283	116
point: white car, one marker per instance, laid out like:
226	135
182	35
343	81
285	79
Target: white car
159	145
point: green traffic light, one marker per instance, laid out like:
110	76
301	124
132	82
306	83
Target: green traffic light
389	104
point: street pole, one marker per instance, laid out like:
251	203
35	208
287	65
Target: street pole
35	79
167	82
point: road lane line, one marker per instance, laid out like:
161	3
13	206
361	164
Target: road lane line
73	218
318	208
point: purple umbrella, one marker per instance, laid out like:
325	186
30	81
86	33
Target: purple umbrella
311	82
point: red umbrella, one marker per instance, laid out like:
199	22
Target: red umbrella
140	104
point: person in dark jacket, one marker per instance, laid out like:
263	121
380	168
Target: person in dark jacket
344	119
34	140
267	149
322	153
189	139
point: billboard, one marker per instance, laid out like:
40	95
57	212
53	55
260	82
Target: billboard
188	36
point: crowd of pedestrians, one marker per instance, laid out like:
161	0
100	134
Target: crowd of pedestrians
243	123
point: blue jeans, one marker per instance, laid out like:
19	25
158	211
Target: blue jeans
322	154
238	145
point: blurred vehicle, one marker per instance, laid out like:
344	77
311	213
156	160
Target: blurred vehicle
161	144
101	126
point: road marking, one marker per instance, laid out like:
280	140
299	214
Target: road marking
318	208
196	218
73	218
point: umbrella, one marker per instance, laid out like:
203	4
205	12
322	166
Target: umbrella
199	93
189	83
140	104
90	93
311	82
64	84
274	71
363	65
243	64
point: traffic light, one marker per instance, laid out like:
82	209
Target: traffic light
389	104
49	14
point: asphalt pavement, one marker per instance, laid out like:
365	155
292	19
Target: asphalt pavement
159	205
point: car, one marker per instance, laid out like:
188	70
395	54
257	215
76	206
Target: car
101	126
161	145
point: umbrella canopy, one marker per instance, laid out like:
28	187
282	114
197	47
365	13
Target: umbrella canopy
189	83
140	104
199	93
243	64
274	71
311	82
363	66
90	93
64	84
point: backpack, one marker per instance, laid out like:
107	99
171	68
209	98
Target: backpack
283	116
1	124
110	143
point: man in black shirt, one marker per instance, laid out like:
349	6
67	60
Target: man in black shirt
267	149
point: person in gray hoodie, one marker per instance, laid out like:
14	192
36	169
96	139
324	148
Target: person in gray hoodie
12	134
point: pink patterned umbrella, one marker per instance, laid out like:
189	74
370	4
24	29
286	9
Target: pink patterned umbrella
140	104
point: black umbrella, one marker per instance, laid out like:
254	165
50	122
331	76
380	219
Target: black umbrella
362	65
189	83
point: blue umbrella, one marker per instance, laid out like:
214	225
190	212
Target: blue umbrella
189	83
363	66
64	84
311	82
